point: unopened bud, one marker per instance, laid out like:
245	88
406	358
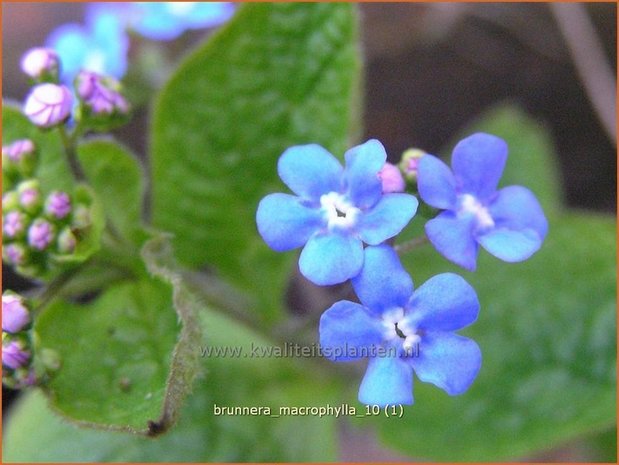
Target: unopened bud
14	254
66	241
391	178
40	234
10	201
100	94
81	216
58	205
14	352
14	224
410	162
30	198
15	314
40	63
48	105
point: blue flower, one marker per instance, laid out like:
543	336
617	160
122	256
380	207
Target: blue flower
402	331
508	223
335	210
101	46
168	20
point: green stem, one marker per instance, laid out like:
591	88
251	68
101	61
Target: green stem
411	245
68	141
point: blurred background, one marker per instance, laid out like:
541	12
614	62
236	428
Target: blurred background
430	70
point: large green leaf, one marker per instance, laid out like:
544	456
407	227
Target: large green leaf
35	434
53	170
116	177
275	76
115	354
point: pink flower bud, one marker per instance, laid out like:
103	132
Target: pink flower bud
18	150
391	178
40	234
14	224
14	354
48	105
40	62
100	94
15	315
58	205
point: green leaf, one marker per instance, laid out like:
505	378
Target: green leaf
547	330
128	359
53	170
34	434
275	76
115	355
116	177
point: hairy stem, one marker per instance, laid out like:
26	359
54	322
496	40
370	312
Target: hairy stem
68	141
411	245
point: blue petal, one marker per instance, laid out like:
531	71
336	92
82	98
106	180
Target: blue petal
383	282
387	381
331	258
447	360
208	14
445	302
511	246
387	218
436	183
517	208
284	223
363	163
348	332
71	43
453	238
478	162
110	40
310	171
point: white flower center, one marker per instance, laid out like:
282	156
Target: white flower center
470	205
339	212
397	327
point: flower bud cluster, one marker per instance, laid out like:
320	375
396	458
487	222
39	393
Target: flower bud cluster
95	99
17	367
35	226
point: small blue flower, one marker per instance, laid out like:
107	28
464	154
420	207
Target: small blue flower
335	210
101	46
402	331
168	20
509	223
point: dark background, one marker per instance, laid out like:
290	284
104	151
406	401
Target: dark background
430	70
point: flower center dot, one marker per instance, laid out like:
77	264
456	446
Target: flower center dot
339	212
469	205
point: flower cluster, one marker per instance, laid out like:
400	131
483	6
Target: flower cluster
17	367
345	217
101	45
36	228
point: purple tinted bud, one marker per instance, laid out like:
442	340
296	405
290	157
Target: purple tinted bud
40	234
391	178
14	355
410	163
18	150
15	315
48	105
14	224
29	195
58	205
66	241
39	62
100	93
14	254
